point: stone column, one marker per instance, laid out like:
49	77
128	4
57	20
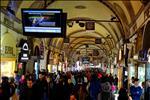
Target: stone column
136	70
147	76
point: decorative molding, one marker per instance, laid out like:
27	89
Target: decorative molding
5	12
12	28
9	21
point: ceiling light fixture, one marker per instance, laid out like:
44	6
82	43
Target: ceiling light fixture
70	24
80	7
81	24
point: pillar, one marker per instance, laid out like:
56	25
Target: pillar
147	77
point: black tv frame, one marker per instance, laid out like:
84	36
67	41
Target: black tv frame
47	34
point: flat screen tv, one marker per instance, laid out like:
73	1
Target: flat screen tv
45	23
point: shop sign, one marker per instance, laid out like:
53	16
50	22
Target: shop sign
90	25
24	55
7	50
25	47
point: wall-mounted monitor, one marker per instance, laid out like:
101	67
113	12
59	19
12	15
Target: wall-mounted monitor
44	22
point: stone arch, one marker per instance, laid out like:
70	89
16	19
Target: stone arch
36	51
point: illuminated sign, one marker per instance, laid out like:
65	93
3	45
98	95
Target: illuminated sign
24	55
25	47
120	54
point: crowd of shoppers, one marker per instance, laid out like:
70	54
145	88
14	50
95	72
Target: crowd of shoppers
83	85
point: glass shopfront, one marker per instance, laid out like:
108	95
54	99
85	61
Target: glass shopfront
7	68
8	54
54	68
131	71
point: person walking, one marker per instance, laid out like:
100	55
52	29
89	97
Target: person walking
5	88
29	91
106	92
136	90
123	95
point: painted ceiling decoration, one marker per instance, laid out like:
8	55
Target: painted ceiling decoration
112	20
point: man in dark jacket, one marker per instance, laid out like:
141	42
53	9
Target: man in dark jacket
41	87
29	92
94	88
5	88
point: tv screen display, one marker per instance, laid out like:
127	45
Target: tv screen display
44	22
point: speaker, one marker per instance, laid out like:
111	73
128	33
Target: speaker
98	41
90	25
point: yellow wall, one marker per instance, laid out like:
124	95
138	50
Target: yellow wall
120	71
8	46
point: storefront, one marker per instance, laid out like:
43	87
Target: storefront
8	55
131	72
49	67
141	73
60	66
8	67
54	68
115	72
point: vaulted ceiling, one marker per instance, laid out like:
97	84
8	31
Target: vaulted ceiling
101	11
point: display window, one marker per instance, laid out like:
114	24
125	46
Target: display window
49	68
7	68
54	68
60	66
